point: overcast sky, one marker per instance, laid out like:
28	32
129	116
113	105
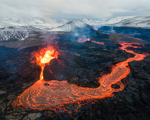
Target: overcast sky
74	9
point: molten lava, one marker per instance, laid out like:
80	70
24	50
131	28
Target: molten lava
88	39
95	28
57	93
45	56
100	43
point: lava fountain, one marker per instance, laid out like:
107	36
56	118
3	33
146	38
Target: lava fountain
57	93
45	56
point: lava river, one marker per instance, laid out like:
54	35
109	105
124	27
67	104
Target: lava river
57	93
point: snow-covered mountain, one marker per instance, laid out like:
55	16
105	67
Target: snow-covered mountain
129	21
70	26
77	24
37	22
16	33
21	28
92	22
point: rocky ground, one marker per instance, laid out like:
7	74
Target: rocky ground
81	64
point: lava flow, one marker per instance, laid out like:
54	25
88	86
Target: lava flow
88	39
57	93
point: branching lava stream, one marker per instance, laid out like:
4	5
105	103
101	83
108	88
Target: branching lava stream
58	93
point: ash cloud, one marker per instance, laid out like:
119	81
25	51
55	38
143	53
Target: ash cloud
73	9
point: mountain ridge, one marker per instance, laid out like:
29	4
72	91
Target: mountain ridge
129	21
21	28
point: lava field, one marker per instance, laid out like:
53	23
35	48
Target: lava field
102	77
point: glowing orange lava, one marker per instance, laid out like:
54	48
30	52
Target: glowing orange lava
100	43
88	39
57	93
45	56
95	28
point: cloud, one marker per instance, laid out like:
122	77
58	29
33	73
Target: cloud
72	9
89	8
18	8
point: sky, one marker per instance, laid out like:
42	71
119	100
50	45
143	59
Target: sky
74	9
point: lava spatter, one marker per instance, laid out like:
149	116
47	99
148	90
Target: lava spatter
49	95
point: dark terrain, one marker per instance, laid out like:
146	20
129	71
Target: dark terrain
81	64
141	33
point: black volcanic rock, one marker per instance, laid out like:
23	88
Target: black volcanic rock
141	70
80	64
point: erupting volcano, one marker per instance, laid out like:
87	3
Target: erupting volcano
57	93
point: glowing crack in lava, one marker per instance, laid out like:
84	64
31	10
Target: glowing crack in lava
58	93
88	39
